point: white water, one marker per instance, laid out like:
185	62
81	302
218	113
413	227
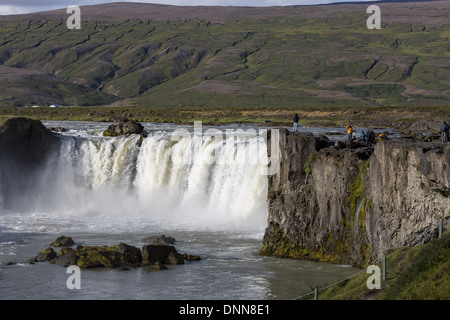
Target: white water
100	183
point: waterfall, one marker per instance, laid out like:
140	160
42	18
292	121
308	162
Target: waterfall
195	183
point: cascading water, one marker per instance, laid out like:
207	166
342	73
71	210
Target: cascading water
189	183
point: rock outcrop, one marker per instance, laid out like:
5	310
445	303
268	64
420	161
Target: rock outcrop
26	145
117	256
62	241
350	205
160	240
124	127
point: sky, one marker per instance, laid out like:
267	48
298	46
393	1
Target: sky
27	6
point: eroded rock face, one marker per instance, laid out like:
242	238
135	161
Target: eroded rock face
408	184
350	205
25	147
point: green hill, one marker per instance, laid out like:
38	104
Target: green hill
149	55
413	273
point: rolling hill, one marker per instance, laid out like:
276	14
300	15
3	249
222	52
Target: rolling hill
133	54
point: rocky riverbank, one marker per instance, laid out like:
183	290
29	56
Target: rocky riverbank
350	204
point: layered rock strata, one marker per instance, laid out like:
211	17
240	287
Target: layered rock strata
350	204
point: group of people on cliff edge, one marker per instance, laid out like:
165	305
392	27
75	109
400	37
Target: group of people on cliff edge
369	138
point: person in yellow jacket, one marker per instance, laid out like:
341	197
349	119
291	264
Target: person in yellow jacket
349	132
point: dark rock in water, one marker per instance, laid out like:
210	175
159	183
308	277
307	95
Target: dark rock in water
129	254
62	241
174	258
124	127
95	256
121	256
190	257
65	250
57	129
109	257
158	266
156	253
160	240
46	255
66	257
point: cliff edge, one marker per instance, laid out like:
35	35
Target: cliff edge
25	146
350	204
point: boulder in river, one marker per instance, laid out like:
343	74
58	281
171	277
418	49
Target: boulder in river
160	240
45	255
156	253
99	256
121	256
191	257
62	241
57	129
174	258
124	127
159	266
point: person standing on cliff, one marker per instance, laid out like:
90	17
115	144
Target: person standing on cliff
444	132
349	133
370	139
296	122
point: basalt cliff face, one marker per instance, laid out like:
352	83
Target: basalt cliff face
25	147
350	204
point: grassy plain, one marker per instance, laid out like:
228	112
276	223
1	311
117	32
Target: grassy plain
399	117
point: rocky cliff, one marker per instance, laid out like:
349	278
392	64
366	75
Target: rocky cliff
25	146
350	204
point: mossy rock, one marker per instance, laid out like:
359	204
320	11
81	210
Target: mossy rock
129	254
94	256
97	259
121	255
174	258
45	255
62	241
160	240
191	257
158	266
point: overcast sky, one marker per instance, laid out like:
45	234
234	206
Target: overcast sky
27	6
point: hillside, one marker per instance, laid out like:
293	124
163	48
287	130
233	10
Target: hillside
413	273
130	54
